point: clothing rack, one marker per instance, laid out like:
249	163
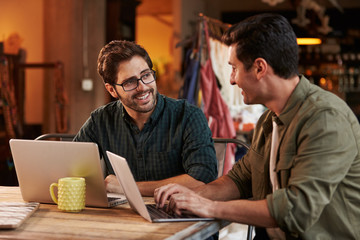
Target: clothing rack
201	86
216	27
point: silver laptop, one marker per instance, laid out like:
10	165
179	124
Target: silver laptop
40	163
147	211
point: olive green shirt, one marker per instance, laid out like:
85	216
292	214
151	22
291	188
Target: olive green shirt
318	166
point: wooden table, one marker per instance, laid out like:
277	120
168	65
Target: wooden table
99	223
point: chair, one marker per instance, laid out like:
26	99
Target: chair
56	136
220	145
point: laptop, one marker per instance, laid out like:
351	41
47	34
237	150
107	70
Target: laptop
38	163
132	193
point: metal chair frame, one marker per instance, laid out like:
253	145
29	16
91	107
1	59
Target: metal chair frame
221	150
56	136
241	143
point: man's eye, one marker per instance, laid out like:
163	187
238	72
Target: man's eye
146	75
130	82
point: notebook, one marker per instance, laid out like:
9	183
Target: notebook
132	193
39	163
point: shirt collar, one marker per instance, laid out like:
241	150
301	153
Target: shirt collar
124	113
154	116
158	109
295	101
267	123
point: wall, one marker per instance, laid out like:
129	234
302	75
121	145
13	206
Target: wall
185	17
155	34
74	38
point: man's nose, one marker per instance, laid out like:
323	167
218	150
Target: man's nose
141	86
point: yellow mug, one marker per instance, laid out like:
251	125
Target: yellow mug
71	194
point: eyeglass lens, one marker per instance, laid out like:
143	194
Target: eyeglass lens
131	84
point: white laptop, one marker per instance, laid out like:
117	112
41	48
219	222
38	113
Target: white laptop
147	211
39	163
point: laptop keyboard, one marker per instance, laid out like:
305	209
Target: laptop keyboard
160	213
114	201
110	199
13	214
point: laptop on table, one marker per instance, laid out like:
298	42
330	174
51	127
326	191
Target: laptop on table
132	193
39	163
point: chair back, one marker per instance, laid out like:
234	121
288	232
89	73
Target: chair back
221	145
56	136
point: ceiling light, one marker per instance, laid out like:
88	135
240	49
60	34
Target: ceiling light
308	41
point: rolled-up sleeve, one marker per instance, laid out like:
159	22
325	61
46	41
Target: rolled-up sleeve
199	158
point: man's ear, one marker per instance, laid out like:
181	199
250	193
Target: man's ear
110	88
260	65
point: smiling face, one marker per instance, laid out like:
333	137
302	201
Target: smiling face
244	79
141	99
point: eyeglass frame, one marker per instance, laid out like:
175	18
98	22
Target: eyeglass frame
153	72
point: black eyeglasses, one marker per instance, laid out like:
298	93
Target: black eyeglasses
132	83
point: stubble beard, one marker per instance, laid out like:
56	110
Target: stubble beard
141	109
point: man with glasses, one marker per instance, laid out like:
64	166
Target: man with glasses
164	140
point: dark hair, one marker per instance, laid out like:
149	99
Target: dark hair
115	52
269	36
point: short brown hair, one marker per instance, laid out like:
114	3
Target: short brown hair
115	52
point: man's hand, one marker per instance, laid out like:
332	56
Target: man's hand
226	204
183	200
112	184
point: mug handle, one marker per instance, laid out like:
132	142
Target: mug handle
52	192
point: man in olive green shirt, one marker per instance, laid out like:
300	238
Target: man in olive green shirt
312	190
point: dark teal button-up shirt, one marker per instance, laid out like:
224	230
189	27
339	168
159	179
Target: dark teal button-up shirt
175	140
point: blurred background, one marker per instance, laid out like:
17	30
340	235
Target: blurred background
49	48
